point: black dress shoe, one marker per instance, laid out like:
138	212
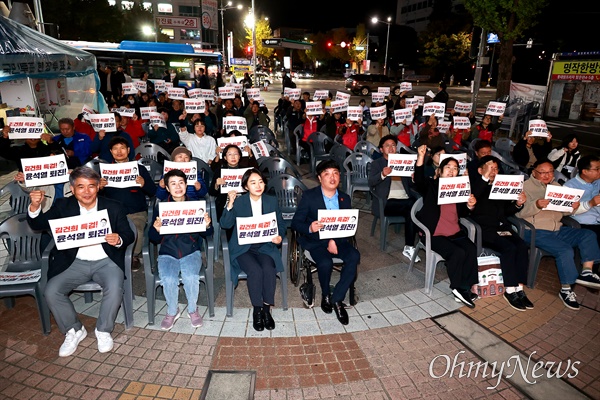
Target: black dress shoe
326	305
514	301
340	312
258	320
269	321
524	300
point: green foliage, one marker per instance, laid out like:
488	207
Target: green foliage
447	50
319	50
263	31
359	40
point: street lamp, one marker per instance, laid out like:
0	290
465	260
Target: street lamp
148	31
251	22
227	6
387	42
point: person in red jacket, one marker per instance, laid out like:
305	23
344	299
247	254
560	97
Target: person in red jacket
133	127
485	129
350	133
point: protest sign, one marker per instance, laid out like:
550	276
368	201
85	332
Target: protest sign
342	96
321	95
462	123
378	112
538	128
495	108
463	108
176	93
339	106
506	187
239	141
238	88
235	123
377	97
355	113
12	278
80	230
402	164
460	157
405	86
141	86
121	175
403	114
190	169
104	122
314	108
384	90
292	93
259	149
454	190
337	223
259	229
168	85
233	179
40	171
227	92
25	127
178	217
159	85
195	93
444	126
207	94
411	102
145	112
195	106
435	108
562	198
253	93
128	88
420	100
124	111
157	118
86	111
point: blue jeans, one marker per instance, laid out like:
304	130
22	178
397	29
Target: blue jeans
168	271
561	243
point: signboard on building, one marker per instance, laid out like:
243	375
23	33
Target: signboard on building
178	22
579	70
209	15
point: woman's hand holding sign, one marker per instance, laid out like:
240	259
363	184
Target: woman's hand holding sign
36	196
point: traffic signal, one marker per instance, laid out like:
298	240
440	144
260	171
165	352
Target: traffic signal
329	44
475	41
249	49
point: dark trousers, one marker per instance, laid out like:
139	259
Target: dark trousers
324	260
514	256
402	207
461	259
262	276
595	229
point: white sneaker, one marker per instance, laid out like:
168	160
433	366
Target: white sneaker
105	341
72	340
408	253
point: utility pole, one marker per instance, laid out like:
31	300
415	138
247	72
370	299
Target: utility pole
477	78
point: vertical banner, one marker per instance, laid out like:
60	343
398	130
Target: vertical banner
209	15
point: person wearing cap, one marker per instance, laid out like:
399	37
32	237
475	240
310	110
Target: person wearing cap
196	190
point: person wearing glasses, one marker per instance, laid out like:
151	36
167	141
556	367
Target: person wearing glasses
557	239
588	179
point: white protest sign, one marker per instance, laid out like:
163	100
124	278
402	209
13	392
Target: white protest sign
227	92
237	88
176	93
259	229
377	97
259	149
495	108
378	112
141	86
195	106
190	169
454	190
159	84
314	108
120	175
105	122
435	108
444	126
253	93
403	114
321	94
538	128
40	171
11	278
430	94
339	106
405	86
239	141
233	179
342	96
157	118
207	94
385	90
233	123
292	93
86	111
145	111
261	101
460	157
25	127
129	88
562	198
463	108
337	223
181	217
506	187
462	123
80	230
420	100
411	102
168	85
195	93
355	113
125	112
402	164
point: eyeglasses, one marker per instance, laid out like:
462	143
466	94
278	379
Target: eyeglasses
544	172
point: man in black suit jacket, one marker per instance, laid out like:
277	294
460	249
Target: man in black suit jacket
323	251
103	263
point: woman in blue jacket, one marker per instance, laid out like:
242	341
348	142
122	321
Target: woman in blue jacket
260	261
179	253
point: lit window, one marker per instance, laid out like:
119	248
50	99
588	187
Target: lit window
165	8
169	32
112	3
127	5
147	6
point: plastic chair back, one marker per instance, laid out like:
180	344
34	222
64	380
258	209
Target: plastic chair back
357	167
95	164
365	147
204	170
152	150
276	166
155	169
19	197
288	189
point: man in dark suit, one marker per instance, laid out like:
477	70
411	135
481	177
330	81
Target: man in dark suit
323	251
394	190
103	263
